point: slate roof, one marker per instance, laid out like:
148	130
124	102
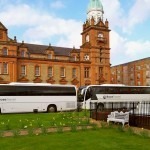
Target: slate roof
40	49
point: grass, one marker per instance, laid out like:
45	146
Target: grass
107	137
103	138
27	121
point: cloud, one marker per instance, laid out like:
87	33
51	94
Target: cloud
68	32
113	12
122	22
19	15
139	12
41	26
124	50
117	44
57	4
137	49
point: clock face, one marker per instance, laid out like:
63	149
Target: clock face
86	57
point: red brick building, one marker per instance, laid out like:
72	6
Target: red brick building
132	73
24	62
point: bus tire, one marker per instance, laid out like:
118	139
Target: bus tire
51	108
100	107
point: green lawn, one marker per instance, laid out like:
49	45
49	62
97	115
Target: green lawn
99	138
102	139
31	120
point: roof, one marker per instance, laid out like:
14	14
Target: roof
2	26
147	58
40	49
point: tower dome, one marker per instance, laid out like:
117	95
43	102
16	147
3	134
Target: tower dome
95	10
95	5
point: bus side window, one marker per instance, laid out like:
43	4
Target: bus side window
88	94
111	90
147	90
135	90
93	92
124	90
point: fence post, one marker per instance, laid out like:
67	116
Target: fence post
112	107
90	111
96	109
133	108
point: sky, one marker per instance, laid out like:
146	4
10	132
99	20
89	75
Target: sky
59	23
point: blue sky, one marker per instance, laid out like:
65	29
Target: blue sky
59	22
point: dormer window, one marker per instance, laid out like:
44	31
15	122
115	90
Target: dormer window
5	51
22	53
49	56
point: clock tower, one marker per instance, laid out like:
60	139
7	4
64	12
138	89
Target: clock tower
95	49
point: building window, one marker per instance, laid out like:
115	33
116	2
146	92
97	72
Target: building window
100	70
5	68
132	76
147	74
0	68
138	67
49	56
74	58
132	83
23	70
138	76
74	73
147	66
1	34
22	53
50	71
62	72
118	71
37	71
132	69
5	51
118	78
139	83
86	72
87	38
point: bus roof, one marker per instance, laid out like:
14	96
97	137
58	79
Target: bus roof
37	84
110	85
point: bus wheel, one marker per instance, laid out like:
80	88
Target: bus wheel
100	107
51	108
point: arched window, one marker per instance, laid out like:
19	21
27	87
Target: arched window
87	38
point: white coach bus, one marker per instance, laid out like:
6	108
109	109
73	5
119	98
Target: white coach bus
117	93
37	97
